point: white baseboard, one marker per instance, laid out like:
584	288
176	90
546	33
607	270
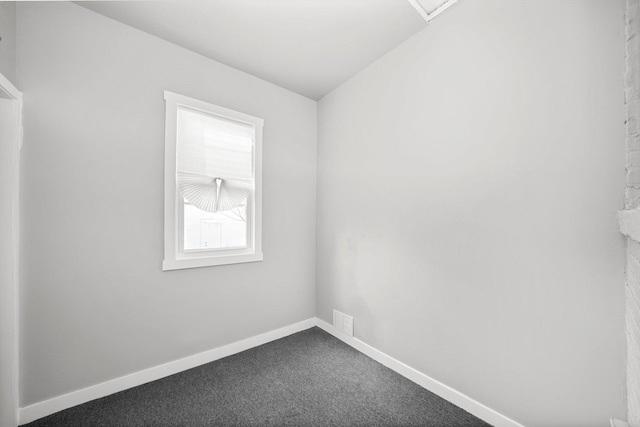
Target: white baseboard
47	407
56	404
463	401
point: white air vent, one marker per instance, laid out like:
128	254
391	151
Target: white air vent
343	323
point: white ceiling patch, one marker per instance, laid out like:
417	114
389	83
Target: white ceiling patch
431	8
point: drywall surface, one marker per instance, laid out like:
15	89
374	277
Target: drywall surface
468	184
95	302
630	218
8	40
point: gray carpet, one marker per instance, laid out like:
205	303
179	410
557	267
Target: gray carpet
306	379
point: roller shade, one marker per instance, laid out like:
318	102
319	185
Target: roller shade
214	160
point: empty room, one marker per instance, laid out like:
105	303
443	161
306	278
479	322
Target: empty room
320	213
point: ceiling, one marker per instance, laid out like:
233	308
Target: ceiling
307	46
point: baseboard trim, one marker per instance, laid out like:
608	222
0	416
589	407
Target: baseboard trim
459	399
47	407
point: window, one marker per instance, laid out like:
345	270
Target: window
213	205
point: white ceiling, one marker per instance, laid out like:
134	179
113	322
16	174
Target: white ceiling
307	46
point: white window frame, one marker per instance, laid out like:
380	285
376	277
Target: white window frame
175	257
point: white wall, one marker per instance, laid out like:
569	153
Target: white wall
95	303
8	39
467	188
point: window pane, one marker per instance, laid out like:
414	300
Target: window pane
209	231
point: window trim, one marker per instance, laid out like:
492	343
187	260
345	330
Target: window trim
174	258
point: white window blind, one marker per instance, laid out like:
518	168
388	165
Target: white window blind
214	160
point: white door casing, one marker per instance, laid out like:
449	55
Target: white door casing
10	145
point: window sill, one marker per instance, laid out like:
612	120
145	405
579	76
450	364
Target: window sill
179	264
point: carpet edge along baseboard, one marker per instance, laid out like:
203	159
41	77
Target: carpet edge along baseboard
47	407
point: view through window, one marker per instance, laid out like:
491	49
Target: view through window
207	230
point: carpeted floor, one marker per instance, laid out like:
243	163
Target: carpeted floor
306	379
